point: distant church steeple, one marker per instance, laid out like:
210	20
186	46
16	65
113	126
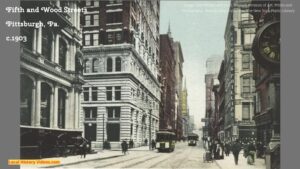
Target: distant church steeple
169	30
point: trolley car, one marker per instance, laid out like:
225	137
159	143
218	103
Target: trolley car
165	141
192	139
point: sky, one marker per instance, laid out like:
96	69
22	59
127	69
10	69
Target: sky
200	27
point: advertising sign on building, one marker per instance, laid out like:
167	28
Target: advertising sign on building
235	131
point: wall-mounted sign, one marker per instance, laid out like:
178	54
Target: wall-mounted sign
235	130
266	45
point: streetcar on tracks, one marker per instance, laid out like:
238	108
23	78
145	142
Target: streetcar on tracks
192	139
165	141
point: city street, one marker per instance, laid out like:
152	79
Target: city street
184	156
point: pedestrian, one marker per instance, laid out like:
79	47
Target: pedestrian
83	150
236	148
227	148
213	149
124	146
260	149
153	144
146	142
131	143
251	152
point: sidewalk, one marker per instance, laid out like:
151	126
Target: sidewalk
100	155
228	163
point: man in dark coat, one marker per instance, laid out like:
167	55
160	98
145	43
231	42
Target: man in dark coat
131	143
236	148
153	144
251	150
124	146
227	148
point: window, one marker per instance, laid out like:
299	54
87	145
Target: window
95	39
138	93
108	93
86	66
242	37
110	38
113	112
86	94
91	39
109	65
88	3
246	111
114	17
90	113
94	94
95	65
246	61
96	3
87	20
92	3
91	20
246	86
87	39
114	37
62	53
26	85
46	44
258	102
118	37
96	20
118	64
61	108
118	93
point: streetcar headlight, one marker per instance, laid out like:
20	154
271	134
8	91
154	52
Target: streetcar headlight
167	145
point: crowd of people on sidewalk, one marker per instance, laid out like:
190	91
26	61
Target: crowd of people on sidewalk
251	149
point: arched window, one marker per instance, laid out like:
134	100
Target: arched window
86	66
109	65
95	67
118	64
62	53
46	43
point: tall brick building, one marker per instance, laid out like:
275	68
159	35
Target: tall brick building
167	115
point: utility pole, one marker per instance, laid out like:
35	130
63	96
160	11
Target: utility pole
103	130
150	141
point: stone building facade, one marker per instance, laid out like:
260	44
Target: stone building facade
121	54
239	85
50	81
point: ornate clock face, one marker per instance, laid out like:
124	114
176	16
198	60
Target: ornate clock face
266	45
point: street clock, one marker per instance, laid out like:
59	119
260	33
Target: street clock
266	45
